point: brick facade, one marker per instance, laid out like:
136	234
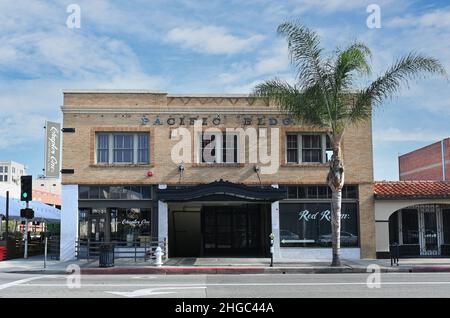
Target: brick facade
91	112
426	163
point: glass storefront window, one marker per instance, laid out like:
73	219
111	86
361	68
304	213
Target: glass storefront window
83	192
308	225
115	224
94	193
83	226
446	225
319	192
115	193
133	224
292	193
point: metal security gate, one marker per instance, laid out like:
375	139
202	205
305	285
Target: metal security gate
232	230
430	230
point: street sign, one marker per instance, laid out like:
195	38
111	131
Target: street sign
52	149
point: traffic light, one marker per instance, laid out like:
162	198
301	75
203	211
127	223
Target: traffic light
26	188
27	213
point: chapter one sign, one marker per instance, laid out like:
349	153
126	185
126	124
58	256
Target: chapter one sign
52	149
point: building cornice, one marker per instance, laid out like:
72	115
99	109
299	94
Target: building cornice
172	110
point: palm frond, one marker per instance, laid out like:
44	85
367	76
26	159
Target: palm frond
410	67
353	59
302	105
305	54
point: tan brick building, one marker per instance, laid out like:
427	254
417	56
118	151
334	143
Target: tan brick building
130	173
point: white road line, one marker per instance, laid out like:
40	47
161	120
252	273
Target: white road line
234	284
152	291
21	282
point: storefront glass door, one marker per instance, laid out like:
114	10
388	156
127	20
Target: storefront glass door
100	228
97	231
430	233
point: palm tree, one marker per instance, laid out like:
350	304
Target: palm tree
327	94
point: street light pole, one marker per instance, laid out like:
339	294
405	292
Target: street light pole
7	219
25	253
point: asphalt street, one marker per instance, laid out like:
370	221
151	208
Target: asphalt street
217	286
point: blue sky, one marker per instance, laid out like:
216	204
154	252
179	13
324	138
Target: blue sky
207	46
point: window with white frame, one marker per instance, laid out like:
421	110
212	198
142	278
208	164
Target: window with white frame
219	147
3	173
307	148
122	148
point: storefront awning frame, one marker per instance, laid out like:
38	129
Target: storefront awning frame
221	191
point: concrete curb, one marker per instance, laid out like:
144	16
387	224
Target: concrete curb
179	270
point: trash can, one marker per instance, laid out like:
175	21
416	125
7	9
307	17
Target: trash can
106	258
3	253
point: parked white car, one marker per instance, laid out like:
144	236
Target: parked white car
346	239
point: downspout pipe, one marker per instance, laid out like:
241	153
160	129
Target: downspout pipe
443	151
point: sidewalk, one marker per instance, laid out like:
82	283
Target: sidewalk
34	265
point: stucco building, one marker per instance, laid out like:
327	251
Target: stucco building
195	170
10	173
413	215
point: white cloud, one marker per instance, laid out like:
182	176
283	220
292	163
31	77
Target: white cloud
271	62
437	18
332	6
212	39
48	57
19	127
416	135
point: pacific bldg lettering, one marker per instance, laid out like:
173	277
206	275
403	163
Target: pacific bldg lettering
217	120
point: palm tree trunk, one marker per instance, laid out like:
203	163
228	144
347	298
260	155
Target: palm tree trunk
335	181
336	226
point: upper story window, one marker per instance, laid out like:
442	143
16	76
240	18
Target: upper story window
122	148
308	148
3	173
219	148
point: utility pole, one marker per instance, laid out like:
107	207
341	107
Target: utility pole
7	219
26	194
25	250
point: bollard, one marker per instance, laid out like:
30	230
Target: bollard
158	254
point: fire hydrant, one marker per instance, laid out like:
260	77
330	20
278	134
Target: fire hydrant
158	254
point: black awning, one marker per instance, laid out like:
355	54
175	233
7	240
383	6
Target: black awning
220	191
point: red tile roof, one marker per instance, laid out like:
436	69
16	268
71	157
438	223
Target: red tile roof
412	190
